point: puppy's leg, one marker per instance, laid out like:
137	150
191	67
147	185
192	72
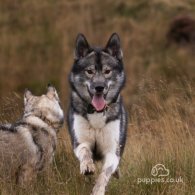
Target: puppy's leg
110	165
26	174
84	154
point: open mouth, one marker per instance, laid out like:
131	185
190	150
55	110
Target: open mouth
98	102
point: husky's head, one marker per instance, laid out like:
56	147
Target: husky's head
97	74
46	106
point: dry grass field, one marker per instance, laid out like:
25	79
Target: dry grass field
36	47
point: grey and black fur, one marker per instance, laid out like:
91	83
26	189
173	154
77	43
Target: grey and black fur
97	120
28	145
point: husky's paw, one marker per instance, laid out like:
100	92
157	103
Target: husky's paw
87	167
117	173
98	190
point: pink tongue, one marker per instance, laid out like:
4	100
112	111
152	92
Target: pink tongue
98	102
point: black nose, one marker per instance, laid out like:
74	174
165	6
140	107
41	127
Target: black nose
99	89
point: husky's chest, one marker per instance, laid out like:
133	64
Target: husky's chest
97	120
95	130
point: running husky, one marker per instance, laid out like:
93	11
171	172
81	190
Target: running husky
97	119
28	145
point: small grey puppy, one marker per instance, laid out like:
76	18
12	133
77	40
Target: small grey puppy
28	145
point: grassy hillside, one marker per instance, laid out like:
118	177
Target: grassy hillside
36	47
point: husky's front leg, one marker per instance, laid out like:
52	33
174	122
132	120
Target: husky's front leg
84	154
109	167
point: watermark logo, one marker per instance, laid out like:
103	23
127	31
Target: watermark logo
159	170
160	174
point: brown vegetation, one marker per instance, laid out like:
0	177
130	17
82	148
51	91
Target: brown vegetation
36	47
182	31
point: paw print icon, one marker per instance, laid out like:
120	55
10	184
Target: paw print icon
159	170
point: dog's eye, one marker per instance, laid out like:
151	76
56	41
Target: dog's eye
108	71
89	71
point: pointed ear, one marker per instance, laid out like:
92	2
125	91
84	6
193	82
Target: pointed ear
82	46
113	46
27	95
51	92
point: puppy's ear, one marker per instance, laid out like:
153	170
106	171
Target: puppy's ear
27	95
51	92
82	46
113	46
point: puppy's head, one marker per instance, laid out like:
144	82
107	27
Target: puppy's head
47	106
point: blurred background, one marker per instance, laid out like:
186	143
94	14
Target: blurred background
37	40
